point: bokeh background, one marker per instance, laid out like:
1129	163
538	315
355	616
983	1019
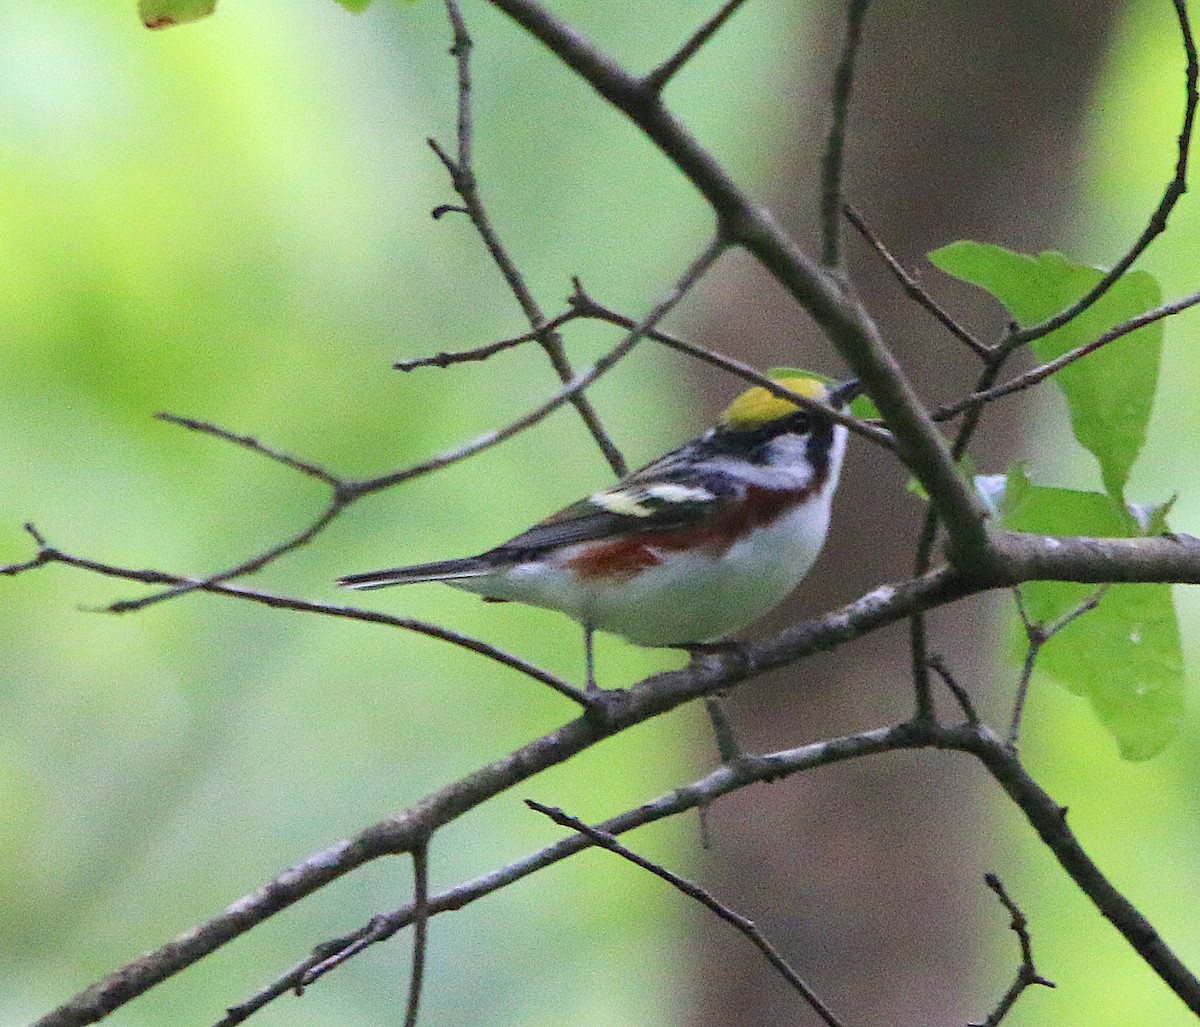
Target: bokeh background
230	221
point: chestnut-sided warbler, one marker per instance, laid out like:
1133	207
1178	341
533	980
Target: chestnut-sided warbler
693	546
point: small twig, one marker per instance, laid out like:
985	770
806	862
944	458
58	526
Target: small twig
694	891
937	663
446	358
660	76
1027	974
1158	219
1037	635
379	929
834	160
727	744
290	982
484	352
45	554
911	286
1044	371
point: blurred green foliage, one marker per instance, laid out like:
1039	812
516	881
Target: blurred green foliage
230	221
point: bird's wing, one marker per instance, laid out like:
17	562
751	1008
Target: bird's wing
661	496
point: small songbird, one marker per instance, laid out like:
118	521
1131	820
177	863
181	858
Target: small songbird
689	548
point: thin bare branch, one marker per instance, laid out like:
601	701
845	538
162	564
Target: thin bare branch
255	563
490	350
740	923
937	663
450	358
727	743
446	358
462	177
833	161
420	931
923	559
1158	219
254	445
660	76
1044	371
911	286
48	554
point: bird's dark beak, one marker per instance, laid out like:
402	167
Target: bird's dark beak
840	395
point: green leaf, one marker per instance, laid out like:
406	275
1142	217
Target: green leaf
1109	392
161	14
1125	656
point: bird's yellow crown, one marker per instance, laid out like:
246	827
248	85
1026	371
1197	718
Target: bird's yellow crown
758	406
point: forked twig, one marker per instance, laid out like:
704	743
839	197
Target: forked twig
1037	635
705	898
1027	974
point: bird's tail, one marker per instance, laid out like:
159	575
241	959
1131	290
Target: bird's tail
444	570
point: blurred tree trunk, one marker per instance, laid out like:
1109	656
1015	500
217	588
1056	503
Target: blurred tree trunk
967	123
